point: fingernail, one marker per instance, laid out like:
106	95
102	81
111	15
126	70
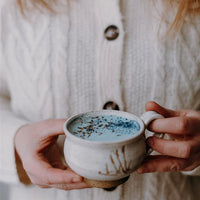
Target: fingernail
150	142
77	179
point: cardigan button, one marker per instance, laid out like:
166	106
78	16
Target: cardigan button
112	32
110	105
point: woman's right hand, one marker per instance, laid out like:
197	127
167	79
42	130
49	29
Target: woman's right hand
35	145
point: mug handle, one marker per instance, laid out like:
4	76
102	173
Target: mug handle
147	118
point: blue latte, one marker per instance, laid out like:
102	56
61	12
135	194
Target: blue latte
104	128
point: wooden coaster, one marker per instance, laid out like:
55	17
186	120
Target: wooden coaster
105	184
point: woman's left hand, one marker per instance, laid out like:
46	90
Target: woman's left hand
182	151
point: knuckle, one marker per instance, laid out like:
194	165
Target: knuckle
176	166
183	125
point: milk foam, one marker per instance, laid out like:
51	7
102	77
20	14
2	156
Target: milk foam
104	128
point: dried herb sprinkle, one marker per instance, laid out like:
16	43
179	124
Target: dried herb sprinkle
104	128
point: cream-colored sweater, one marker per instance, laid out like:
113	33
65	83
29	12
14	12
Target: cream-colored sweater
53	66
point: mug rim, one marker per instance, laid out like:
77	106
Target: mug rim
104	112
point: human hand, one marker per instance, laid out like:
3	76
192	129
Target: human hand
182	151
35	145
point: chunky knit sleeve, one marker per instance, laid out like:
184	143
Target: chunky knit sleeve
9	124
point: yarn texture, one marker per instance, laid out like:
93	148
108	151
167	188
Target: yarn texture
57	65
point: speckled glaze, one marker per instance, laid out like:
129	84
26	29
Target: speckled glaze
107	160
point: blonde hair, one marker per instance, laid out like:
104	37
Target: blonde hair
185	8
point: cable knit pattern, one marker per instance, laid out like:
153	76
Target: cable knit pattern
58	59
138	46
183	91
56	65
109	54
32	63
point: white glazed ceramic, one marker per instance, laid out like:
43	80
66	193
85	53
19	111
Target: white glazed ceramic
107	161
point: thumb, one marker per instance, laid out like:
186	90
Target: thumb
151	105
47	133
52	127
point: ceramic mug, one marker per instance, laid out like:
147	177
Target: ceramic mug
106	164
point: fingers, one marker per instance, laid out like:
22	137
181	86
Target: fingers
40	171
151	105
60	179
181	154
163	164
176	125
179	149
175	122
57	176
39	154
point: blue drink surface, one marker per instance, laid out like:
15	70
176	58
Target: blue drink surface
103	128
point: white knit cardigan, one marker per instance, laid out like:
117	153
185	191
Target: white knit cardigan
53	66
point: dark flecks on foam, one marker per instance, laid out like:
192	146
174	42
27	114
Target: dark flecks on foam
116	125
